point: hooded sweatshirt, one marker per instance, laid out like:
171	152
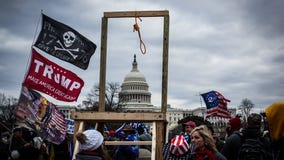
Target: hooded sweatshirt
275	118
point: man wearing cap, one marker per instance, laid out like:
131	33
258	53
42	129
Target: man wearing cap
128	152
187	128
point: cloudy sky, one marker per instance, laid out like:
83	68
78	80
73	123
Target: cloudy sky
234	47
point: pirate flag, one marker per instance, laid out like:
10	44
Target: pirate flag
65	43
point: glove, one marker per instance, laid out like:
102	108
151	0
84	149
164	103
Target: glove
37	142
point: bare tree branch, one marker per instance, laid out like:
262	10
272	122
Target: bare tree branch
111	97
246	106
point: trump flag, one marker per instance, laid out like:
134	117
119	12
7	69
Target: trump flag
49	78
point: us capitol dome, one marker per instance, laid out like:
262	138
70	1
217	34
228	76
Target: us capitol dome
134	95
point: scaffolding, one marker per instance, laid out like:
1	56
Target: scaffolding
157	118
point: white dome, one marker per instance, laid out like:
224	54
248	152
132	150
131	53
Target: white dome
134	90
134	75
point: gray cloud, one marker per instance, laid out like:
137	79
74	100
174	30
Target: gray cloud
234	47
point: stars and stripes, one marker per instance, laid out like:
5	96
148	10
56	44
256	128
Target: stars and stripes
52	126
216	104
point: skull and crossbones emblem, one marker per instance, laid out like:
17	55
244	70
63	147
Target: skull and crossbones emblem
68	40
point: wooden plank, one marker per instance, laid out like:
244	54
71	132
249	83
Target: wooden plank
103	65
154	142
165	65
159	141
115	117
111	143
125	14
76	144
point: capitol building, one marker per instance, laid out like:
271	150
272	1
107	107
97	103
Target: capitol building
136	97
134	94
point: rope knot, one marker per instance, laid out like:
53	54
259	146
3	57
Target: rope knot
136	28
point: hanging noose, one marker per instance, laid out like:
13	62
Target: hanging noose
136	28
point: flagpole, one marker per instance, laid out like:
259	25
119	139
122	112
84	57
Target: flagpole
35	34
203	112
200	99
199	94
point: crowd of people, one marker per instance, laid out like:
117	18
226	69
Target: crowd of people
92	147
24	144
260	136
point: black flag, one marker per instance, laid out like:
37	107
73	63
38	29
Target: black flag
65	43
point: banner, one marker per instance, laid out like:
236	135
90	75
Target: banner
216	104
34	111
47	77
70	129
65	43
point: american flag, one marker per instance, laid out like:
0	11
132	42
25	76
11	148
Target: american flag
51	127
216	105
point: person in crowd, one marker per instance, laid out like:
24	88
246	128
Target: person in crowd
187	128
64	150
233	143
91	146
60	150
144	150
127	152
70	144
203	147
275	120
144	136
112	133
4	144
233	125
20	148
218	142
110	148
106	135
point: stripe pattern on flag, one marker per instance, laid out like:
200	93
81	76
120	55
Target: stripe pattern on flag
179	146
216	105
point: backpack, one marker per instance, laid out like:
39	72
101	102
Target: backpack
253	149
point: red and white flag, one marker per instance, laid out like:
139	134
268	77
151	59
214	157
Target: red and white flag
179	146
48	77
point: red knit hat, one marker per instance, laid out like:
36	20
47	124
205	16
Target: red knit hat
111	132
235	123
